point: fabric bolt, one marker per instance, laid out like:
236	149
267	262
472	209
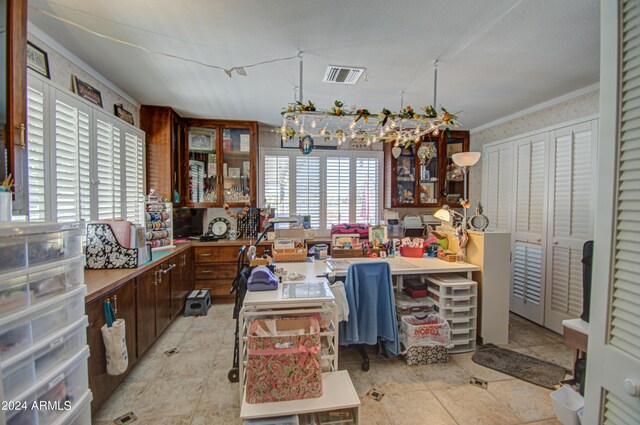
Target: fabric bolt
372	314
341	301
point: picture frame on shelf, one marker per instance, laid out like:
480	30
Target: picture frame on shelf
38	60
122	113
202	139
86	91
378	235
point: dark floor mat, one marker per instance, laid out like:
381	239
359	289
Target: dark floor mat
519	365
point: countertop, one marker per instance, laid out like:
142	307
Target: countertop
99	282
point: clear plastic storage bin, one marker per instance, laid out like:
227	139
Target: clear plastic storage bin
68	383
81	413
13	253
56	246
56	280
14	294
22	329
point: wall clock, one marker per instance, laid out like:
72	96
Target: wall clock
219	227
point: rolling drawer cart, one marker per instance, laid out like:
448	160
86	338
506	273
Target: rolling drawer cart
43	337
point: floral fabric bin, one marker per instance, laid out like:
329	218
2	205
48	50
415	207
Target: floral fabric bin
283	360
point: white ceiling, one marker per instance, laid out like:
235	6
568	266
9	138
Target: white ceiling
496	57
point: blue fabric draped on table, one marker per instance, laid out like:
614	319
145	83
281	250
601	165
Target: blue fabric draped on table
372	314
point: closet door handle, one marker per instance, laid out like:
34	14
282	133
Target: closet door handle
23	140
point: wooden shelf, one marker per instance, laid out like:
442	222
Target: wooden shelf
337	393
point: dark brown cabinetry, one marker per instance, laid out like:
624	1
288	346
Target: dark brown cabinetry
146	308
181	282
123	300
414	183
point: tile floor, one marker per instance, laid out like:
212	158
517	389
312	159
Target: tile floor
191	387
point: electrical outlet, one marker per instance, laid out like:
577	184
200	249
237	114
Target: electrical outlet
479	382
127	418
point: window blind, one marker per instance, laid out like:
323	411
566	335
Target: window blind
84	165
134	176
625	297
308	188
66	158
367	190
36	159
337	190
276	183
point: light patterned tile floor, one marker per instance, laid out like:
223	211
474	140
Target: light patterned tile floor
191	387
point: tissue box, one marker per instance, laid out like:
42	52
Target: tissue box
283	363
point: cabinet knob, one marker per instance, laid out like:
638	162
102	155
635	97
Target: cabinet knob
632	387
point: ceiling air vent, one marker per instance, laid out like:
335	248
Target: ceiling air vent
342	74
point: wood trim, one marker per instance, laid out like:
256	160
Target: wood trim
16	78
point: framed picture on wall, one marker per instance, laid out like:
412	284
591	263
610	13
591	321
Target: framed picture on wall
123	114
86	91
38	60
202	139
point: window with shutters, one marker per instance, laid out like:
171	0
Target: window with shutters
276	183
328	186
83	164
308	188
337	188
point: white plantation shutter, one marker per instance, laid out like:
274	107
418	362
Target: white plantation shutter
618	412
36	154
134	176
308	188
67	170
108	170
84	158
367	190
530	185
337	190
625	297
276	183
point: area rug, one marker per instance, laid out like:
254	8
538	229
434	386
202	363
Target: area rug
519	365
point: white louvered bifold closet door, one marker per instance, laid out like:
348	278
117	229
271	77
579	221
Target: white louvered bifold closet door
108	165
337	190
36	147
367	190
276	183
496	180
134	175
307	201
530	180
571	216
623	325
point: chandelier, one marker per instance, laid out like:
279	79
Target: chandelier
359	125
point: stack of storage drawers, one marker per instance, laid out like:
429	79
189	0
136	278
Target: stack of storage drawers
455	299
43	337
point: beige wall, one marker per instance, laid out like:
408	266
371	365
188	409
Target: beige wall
61	69
578	107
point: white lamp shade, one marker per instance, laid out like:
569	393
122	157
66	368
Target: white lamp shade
443	213
466	159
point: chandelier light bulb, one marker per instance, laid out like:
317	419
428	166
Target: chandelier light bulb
296	121
313	124
302	129
436	132
393	124
352	125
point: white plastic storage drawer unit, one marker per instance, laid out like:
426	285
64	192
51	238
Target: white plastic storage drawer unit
456	300
55	393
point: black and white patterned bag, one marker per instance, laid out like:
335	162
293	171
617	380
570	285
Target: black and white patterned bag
104	251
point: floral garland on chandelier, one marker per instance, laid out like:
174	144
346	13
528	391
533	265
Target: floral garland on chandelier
359	124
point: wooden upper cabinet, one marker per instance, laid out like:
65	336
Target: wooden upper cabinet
15	80
414	183
164	136
221	162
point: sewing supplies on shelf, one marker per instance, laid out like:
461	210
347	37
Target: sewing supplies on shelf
158	219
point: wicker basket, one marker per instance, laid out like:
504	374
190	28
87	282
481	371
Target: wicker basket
290	255
346	253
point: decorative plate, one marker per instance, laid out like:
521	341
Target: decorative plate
306	144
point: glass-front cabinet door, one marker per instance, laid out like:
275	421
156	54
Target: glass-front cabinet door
429	172
237	149
454	179
202	178
405	190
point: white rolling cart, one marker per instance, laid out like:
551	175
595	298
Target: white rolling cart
43	338
338	391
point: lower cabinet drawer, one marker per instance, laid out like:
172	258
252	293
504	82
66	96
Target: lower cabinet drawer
215	271
216	254
218	287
